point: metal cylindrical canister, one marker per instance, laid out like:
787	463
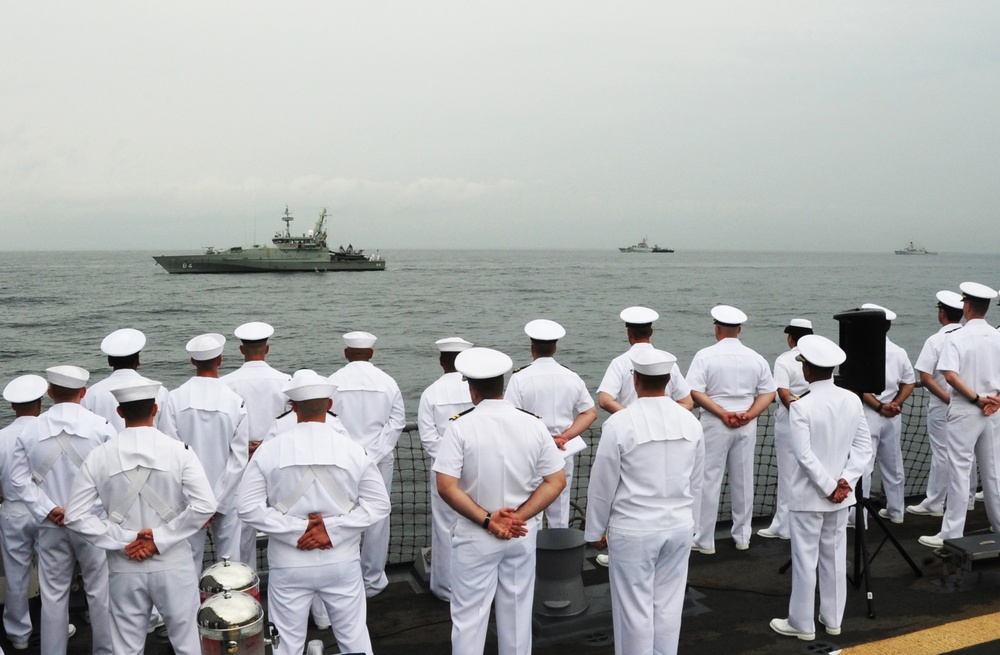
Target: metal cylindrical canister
228	576
231	622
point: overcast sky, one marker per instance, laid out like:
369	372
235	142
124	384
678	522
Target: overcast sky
703	125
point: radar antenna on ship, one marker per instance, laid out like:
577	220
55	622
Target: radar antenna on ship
288	222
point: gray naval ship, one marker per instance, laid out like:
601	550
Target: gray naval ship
306	253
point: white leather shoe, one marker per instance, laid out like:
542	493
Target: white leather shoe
931	541
884	513
830	631
920	510
603	560
767	533
783	627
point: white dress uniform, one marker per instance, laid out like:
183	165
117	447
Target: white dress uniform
557	395
830	440
499	454
732	375
886	431
618	383
48	454
99	399
208	416
640	495
347	489
787	375
370	406
174	501
448	396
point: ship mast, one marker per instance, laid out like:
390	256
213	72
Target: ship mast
288	222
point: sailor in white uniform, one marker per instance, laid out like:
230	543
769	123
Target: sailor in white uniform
559	397
791	384
314	491
498	468
733	386
259	386
884	415
47	459
448	396
122	348
949	315
970	363
617	390
832	447
641	496
210	417
153	495
370	406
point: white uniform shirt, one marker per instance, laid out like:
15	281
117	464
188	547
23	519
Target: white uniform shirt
289	420
928	358
177	478
898	371
641	479
370	406
830	440
275	471
499	455
208	416
8	439
974	353
731	374
259	386
618	382
788	375
446	397
101	401
547	388
86	431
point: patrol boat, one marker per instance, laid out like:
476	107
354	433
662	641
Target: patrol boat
306	253
914	250
641	247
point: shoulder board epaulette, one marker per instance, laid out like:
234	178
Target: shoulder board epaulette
330	412
187	447
527	412
461	414
519	369
806	393
283	414
958	328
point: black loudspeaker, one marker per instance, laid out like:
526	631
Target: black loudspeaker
862	337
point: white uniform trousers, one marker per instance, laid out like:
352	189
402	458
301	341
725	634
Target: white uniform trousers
443	519
290	592
58	550
175	594
19	530
248	545
648	578
970	434
819	539
889	457
375	547
786	463
486	570
558	513
937	479
226	530
733	449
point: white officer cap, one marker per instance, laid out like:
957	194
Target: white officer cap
950	299
206	346
124	342
308	385
650	361
25	389
71	377
976	290
542	329
359	339
820	351
638	315
136	389
452	344
728	315
482	363
889	314
253	331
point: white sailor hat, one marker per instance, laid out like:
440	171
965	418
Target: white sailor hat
976	290
482	363
650	361
359	339
800	323
949	299
136	389
820	351
542	329
889	314
308	385
71	377
253	331
728	315
123	342
25	389
452	344
206	346
638	315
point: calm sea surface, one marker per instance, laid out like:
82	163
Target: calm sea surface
57	307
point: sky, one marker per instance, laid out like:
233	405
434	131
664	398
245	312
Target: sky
845	126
